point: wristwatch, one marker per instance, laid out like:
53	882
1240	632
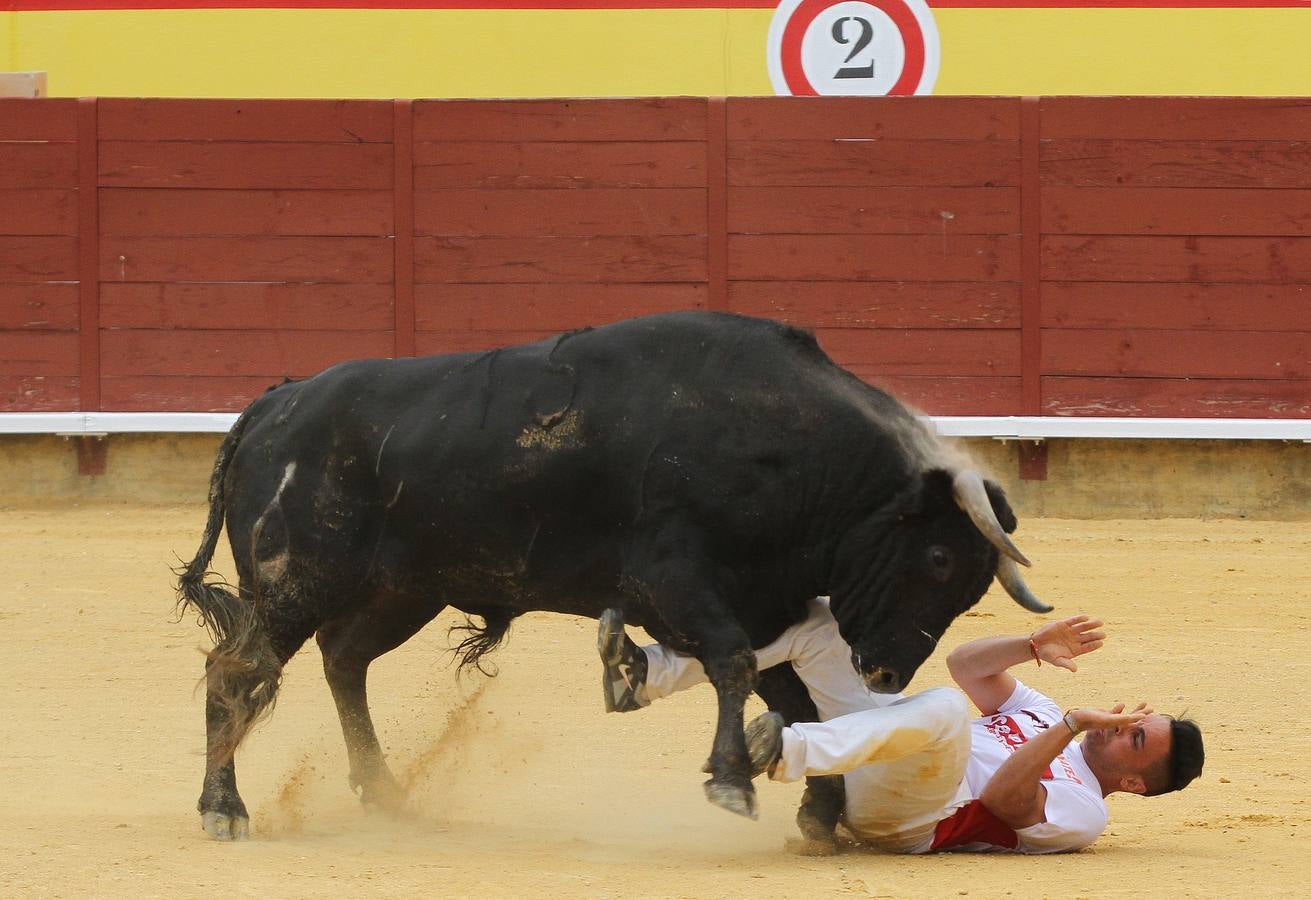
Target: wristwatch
1068	719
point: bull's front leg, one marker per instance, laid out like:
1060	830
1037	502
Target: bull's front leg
671	574
731	668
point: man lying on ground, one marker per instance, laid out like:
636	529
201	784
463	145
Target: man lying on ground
920	774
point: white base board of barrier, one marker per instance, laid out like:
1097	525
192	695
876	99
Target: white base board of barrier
1014	428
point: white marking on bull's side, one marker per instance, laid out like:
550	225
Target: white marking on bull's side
273	568
286	479
396	496
377	466
930	637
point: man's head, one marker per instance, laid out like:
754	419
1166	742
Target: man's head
1158	755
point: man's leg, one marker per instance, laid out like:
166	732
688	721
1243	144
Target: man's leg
903	764
637	675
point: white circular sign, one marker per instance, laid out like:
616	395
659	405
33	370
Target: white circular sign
868	48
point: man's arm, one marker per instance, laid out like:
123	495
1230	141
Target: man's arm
1015	793
979	667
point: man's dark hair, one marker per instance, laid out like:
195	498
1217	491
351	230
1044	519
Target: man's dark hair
1185	760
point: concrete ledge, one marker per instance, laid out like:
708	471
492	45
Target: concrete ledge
1086	478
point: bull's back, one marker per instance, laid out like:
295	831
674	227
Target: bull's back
531	465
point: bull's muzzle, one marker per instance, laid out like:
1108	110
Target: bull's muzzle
883	681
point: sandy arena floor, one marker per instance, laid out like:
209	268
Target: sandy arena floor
521	786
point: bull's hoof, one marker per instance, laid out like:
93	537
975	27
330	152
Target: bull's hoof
733	798
383	794
222	827
811	846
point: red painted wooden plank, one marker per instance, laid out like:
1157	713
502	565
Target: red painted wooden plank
1178	118
874	257
38	165
716	202
272	354
1204	307
403	250
921	351
183	393
38	119
1185	164
38	212
873	210
287	307
1215	259
903	118
882	163
46	306
581	212
880	304
599	259
546	307
560	165
642	119
945	395
254	165
35	259
35	352
88	263
1031	265
184	119
1202	354
333	259
431	343
1202	211
1177	397
166	211
38	393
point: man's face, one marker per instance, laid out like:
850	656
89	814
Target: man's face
1130	752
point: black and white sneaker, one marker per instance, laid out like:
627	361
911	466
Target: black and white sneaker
624	679
764	736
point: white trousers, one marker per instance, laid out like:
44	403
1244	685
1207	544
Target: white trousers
903	758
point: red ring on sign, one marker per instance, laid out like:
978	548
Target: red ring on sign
805	14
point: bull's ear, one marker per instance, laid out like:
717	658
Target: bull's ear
1000	506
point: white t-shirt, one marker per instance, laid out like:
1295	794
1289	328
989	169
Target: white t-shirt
1076	812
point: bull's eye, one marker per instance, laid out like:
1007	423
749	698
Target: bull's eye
941	562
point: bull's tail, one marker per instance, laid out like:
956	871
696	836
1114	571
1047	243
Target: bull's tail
481	641
243	671
219	609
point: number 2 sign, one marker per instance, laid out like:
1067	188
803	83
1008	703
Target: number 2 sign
853	47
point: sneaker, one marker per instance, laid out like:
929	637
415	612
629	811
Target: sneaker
764	736
624	679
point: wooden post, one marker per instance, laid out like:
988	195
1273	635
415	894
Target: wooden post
403	225
1033	455
91	451
717	202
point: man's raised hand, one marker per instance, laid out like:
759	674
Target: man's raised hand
1059	642
1089	719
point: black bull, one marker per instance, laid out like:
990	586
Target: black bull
708	473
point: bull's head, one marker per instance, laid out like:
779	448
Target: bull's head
908	570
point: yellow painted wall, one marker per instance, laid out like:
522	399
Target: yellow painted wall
518	53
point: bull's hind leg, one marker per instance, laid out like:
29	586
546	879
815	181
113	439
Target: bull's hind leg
242	675
822	804
349	644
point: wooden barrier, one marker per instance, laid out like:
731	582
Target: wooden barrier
979	256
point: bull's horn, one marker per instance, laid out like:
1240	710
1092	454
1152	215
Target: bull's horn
1009	575
971	496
